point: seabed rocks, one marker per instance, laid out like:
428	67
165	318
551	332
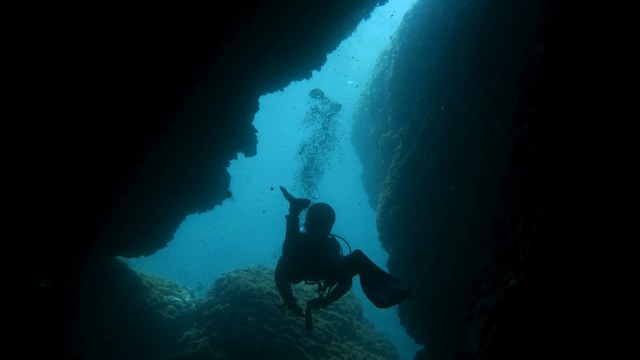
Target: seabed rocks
240	318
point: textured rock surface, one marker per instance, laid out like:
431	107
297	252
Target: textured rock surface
240	319
461	136
167	298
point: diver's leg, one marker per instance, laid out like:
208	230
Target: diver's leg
341	288
357	263
351	265
382	289
342	277
322	302
296	205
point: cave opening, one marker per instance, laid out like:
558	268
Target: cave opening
304	144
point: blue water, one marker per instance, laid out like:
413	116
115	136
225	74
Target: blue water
248	228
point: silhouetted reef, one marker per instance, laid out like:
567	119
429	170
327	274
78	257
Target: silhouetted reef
240	318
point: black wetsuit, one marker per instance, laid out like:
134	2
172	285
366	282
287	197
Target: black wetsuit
308	258
305	258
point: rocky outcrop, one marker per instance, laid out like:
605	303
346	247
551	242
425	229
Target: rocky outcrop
240	319
124	314
111	312
460	134
129	117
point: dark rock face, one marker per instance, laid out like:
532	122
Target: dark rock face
124	314
134	116
129	117
461	135
110	312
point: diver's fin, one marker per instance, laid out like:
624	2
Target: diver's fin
286	194
296	205
382	289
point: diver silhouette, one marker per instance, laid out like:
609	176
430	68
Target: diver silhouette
315	256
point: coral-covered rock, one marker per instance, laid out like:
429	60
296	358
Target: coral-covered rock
241	319
166	297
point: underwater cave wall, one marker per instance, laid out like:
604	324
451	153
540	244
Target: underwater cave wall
131	116
461	146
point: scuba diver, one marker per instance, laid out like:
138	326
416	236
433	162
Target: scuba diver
315	256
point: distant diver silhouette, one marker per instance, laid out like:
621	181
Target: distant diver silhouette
315	257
